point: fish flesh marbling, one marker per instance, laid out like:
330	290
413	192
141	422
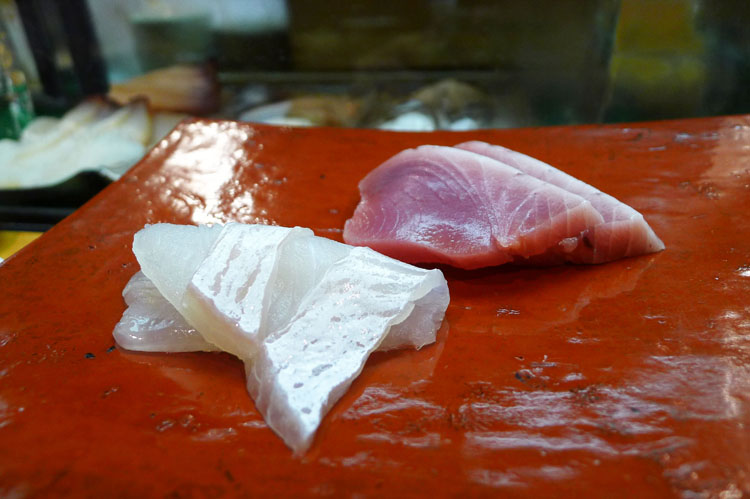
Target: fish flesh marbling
436	204
478	205
624	232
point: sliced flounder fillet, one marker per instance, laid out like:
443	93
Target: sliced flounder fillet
303	312
623	233
93	135
152	324
304	368
437	204
169	255
229	295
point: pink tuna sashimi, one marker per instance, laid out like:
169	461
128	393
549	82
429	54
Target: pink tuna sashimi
437	204
624	231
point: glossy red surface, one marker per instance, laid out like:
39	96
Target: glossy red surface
625	379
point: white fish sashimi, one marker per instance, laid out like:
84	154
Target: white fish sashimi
170	254
420	327
131	122
45	136
227	295
95	134
302	262
303	369
303	312
152	324
39	128
153	247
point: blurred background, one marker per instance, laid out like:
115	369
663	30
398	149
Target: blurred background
406	65
412	64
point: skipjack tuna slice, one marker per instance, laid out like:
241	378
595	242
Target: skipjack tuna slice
624	232
437	204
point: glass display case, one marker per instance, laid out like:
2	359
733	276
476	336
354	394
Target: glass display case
417	64
434	64
414	65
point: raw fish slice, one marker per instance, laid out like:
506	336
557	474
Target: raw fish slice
152	324
116	140
446	205
132	122
107	150
419	329
303	369
304	259
302	262
227	296
20	159
10	174
170	254
90	136
623	233
190	89
78	118
88	111
38	128
302	312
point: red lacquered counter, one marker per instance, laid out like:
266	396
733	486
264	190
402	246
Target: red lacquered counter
625	379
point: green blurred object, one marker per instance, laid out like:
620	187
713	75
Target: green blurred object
16	109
